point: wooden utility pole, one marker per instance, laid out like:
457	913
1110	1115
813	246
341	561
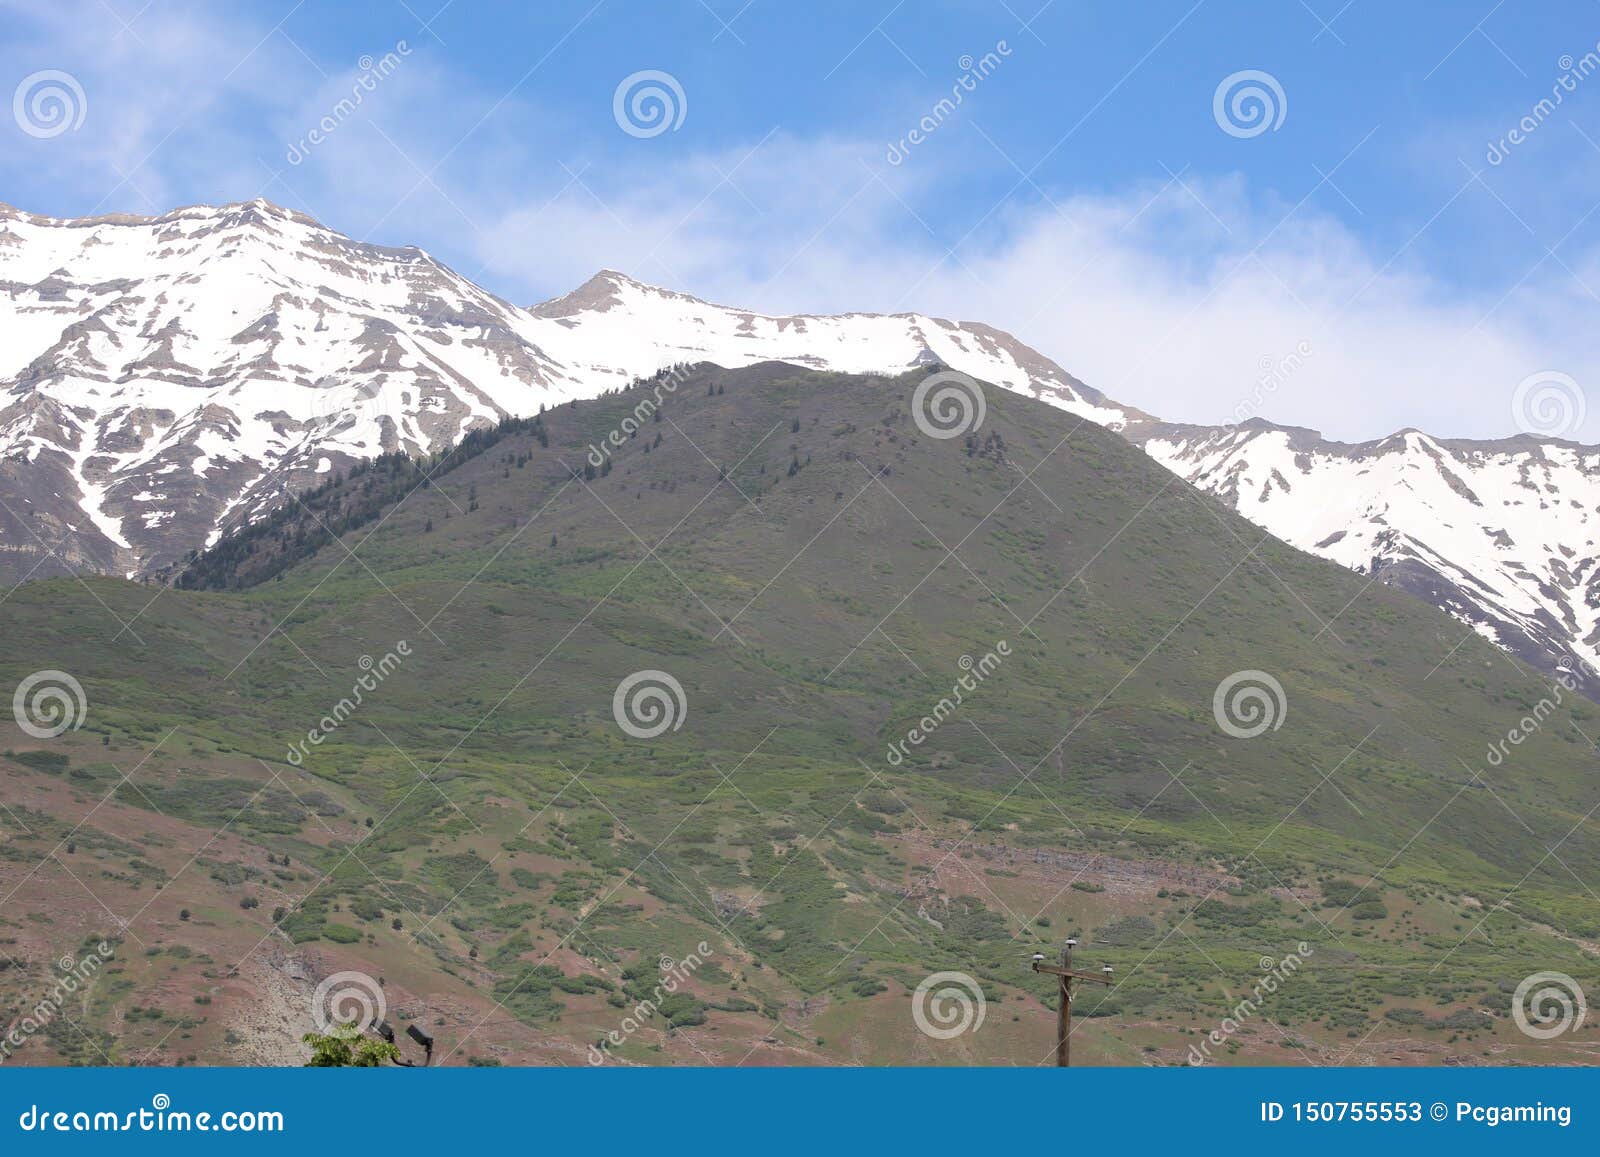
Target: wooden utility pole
1065	973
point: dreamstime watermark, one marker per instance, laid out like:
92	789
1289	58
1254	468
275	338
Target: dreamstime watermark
1531	722
75	974
334	397
48	103
348	998
642	412
948	1004
1274	973
1573	73
375	672
1549	404
159	1118
1275	372
372	73
947	404
1249	703
48	703
1248	103
649	703
973	72
1548	1004
674	974
648	103
976	671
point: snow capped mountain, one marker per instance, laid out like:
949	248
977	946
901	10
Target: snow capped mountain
164	375
163	379
613	329
1501	534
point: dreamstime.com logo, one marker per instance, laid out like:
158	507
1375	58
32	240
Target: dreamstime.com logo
975	671
947	404
973	73
75	975
48	703
1573	73
334	399
1274	373
1524	728
648	103
1548	1004
642	412
374	672
48	103
948	1004
1249	703
648	704
370	73
1274	974
348	998
674	974
1549	403
160	1117
1248	103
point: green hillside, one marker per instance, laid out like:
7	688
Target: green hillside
816	575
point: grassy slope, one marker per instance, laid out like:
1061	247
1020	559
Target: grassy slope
770	823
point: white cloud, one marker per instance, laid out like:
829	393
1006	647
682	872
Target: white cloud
1166	296
173	77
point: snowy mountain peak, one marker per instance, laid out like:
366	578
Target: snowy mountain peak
166	377
163	379
1505	535
231	214
605	290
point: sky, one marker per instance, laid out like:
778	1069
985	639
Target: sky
1396	224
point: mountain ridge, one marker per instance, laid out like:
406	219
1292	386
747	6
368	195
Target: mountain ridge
144	419
878	755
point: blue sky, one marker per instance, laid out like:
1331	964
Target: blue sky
1083	194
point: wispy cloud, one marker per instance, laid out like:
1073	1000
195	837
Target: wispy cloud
1168	294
